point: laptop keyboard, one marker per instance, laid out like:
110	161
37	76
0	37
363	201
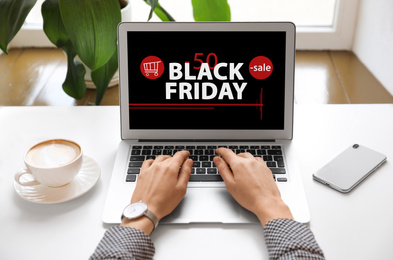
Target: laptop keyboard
203	169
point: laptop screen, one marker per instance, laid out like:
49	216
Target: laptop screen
206	80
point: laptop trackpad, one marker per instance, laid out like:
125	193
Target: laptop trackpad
209	205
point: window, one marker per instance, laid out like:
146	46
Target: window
304	13
34	19
321	24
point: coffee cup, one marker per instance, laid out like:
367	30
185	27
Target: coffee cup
53	163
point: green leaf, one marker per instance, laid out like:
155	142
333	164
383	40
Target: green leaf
74	84
163	14
92	28
211	10
159	11
153	5
12	16
102	76
53	24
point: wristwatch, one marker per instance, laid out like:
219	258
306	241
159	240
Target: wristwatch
139	209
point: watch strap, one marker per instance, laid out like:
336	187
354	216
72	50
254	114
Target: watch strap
152	217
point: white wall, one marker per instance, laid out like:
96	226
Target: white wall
373	42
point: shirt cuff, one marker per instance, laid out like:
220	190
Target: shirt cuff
286	237
124	243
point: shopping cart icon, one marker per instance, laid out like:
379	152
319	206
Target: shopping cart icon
151	67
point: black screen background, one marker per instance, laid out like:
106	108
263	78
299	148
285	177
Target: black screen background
230	47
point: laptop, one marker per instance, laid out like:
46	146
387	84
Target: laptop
199	86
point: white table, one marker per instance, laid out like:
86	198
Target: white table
353	226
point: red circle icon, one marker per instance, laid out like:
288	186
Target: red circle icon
261	67
152	67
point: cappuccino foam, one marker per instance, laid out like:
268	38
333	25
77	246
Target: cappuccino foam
52	154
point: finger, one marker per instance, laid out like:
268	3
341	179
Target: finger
176	162
259	159
180	157
185	172
228	155
224	170
161	158
245	155
147	163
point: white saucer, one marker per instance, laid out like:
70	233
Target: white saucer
87	177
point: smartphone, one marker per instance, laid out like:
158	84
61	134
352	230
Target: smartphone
349	168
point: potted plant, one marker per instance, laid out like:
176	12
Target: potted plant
88	29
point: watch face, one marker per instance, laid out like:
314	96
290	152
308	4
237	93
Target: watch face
135	210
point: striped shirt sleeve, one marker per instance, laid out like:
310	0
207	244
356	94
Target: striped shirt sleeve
285	239
124	243
288	239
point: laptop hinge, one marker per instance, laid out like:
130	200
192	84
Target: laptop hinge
206	140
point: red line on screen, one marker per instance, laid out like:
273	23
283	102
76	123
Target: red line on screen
147	107
258	105
192	105
260	100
